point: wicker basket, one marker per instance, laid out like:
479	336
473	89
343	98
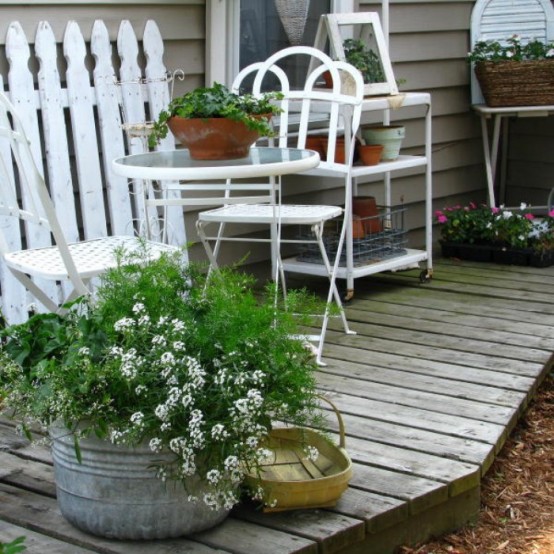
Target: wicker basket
291	481
517	83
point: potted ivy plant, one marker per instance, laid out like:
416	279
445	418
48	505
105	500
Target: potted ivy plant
364	59
158	394
215	123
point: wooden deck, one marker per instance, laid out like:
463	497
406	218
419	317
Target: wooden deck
429	389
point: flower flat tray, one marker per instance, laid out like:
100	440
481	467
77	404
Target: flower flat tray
498	254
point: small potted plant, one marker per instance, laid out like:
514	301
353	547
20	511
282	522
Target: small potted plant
364	59
159	394
215	123
513	73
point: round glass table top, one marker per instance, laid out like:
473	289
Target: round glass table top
177	164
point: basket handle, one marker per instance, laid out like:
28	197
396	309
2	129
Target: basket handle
342	440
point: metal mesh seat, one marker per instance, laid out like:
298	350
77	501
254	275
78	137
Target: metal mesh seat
286	214
52	270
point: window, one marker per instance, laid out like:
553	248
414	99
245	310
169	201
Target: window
241	32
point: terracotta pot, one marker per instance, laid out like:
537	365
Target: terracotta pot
339	150
213	138
365	207
328	79
390	136
315	142
358	229
370	154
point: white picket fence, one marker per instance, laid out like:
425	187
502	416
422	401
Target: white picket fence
75	131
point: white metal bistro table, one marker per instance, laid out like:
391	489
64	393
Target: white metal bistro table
198	176
178	165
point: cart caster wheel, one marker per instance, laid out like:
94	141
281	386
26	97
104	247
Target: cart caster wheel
348	296
425	276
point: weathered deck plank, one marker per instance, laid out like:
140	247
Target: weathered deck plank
429	390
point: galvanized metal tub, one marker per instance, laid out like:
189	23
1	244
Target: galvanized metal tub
115	493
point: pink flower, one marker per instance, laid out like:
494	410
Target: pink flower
473	205
551	213
438	213
529	216
442	218
495	210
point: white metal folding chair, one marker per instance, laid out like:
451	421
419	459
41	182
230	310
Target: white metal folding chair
341	106
29	225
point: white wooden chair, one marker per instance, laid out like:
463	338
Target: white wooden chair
26	208
342	106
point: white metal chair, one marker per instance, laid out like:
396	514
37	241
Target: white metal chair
29	225
341	107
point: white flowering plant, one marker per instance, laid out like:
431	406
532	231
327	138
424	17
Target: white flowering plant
194	365
511	49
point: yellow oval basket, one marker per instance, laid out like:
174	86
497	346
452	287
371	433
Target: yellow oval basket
291	480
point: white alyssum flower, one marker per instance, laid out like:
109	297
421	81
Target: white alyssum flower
219	432
213	476
312	453
137	419
162	412
231	462
155	444
124	324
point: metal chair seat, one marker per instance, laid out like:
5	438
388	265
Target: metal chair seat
91	257
287	214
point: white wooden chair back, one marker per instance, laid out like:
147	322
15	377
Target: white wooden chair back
75	131
500	19
24	196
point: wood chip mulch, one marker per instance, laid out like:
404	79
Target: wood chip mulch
517	495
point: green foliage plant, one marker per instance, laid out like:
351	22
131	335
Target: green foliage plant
481	224
365	60
199	366
512	49
219	102
13	547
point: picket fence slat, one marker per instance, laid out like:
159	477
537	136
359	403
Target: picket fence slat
81	96
109	119
57	159
158	97
14	295
22	94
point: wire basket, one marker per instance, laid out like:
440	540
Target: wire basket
516	83
376	238
293	481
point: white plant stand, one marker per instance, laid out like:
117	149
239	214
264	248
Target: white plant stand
351	271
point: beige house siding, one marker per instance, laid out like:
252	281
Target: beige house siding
429	41
428	45
181	23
